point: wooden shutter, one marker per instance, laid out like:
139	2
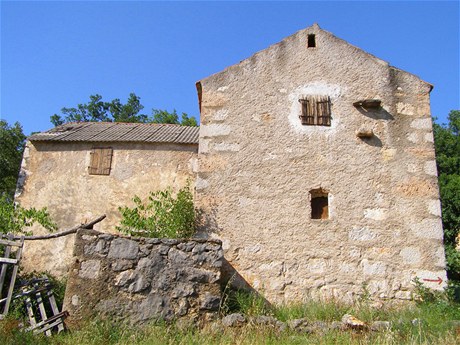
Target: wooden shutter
324	111
307	117
101	161
316	110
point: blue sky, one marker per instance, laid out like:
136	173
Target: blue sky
56	54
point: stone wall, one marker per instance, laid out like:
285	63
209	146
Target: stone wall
137	280
55	175
258	165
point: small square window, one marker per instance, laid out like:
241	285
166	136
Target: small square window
315	111
101	161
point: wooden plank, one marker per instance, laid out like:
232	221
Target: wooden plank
4	268
13	275
11	243
30	312
41	308
54	307
59	318
8	261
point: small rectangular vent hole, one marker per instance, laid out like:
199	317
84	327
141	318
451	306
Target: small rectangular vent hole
311	41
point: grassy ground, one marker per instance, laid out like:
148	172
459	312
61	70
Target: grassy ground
433	325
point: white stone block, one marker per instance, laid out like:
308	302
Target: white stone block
428	228
421	123
375	213
410	255
430	168
429	137
204	146
434	207
220	115
214	130
432	279
201	184
376	268
361	234
440	256
405	108
413	137
226	147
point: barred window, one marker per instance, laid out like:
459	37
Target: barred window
316	111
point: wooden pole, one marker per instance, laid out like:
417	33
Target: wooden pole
63	233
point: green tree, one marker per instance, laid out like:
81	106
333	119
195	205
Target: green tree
115	111
12	143
163	116
447	144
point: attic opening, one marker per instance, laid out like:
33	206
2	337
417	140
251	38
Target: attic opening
319	204
311	41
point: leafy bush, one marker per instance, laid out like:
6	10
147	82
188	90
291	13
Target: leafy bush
14	218
163	215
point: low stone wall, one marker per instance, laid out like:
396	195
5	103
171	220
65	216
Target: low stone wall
143	279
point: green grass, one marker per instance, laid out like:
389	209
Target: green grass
434	327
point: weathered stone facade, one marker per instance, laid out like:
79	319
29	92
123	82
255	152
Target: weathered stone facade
55	175
320	209
137	280
259	167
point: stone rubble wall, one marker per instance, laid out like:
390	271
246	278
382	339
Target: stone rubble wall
137	280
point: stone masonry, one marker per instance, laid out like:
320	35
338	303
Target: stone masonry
259	167
55	175
137	280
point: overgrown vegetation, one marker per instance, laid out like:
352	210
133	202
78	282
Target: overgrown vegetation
162	215
420	323
15	219
12	142
447	144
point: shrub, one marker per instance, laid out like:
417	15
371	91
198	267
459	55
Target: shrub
163	215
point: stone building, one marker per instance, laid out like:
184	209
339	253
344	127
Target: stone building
82	170
317	171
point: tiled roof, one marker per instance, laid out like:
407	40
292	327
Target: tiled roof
121	132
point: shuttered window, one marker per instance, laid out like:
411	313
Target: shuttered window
316	111
101	161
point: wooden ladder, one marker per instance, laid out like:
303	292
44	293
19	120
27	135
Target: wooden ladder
7	243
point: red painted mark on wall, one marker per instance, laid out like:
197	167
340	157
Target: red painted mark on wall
439	280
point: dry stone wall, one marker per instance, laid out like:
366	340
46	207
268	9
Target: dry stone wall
137	280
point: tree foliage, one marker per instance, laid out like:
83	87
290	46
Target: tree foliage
163	215
97	110
12	143
447	143
15	219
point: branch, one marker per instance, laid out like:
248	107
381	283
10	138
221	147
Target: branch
63	233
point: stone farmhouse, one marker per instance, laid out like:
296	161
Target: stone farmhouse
82	170
315	166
